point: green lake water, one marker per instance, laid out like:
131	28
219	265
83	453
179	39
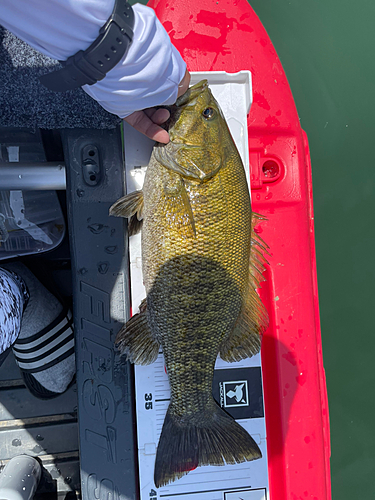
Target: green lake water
327	50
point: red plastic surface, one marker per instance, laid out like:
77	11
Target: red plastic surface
226	35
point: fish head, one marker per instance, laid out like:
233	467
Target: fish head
197	131
197	119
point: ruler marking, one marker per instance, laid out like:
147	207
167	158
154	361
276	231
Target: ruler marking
242	488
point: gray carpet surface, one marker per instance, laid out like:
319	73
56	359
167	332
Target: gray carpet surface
25	102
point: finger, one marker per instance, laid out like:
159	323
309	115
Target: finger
141	122
158	116
184	84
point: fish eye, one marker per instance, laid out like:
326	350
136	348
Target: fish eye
208	113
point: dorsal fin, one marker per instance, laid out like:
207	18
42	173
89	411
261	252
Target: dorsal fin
245	338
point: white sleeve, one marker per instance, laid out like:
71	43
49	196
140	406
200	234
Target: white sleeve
148	75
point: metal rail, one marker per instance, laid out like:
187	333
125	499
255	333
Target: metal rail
32	176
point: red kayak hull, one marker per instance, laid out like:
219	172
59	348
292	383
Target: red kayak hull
226	35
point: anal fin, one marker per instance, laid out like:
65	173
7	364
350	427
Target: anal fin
245	339
135	339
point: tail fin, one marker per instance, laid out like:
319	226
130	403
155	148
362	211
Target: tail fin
211	437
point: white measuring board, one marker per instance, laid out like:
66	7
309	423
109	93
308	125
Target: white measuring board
237	387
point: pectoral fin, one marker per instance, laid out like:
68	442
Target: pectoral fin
131	206
187	206
178	202
135	339
245	339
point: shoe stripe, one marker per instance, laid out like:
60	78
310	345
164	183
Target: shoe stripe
36	354
47	330
36	346
45	366
46	352
28	343
52	359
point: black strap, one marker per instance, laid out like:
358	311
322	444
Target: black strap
91	65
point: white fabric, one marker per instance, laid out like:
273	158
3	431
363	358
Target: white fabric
148	76
11	305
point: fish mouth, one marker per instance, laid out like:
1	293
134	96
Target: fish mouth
189	98
173	117
192	93
167	154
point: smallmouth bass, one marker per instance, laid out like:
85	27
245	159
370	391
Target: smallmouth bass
202	263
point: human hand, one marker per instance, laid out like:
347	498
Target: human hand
149	120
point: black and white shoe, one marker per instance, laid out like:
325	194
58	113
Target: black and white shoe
43	350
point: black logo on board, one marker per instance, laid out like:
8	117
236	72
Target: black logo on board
239	391
234	394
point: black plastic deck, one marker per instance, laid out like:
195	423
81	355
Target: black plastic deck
95	179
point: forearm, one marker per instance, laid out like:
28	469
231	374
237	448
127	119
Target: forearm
148	75
57	28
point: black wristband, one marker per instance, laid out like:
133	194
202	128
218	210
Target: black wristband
87	67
